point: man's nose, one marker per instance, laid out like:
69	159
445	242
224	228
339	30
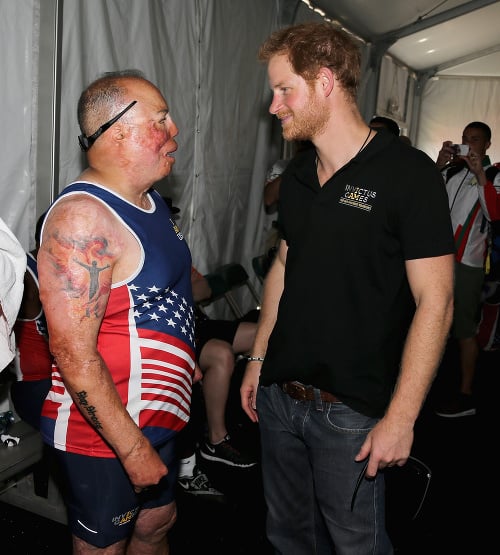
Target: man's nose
275	105
174	130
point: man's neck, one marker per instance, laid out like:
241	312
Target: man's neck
120	184
339	144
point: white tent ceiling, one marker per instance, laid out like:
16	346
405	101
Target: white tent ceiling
442	37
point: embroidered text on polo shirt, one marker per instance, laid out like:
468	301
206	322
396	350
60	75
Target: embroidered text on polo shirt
358	197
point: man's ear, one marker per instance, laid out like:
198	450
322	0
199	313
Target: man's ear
326	80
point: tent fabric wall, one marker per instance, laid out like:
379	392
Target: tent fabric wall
450	103
394	99
202	55
19	22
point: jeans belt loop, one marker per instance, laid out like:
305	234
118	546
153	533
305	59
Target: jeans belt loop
317	399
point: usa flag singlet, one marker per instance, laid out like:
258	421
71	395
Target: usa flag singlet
146	338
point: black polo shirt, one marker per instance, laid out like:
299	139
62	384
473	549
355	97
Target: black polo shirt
346	305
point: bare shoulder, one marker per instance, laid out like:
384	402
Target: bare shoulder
81	222
80	248
78	232
79	214
81	233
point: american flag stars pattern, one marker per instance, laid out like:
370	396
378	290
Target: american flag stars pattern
167	305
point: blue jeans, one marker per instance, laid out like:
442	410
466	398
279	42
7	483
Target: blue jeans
309	477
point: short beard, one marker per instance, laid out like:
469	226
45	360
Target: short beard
308	123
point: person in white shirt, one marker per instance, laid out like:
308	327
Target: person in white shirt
474	201
12	268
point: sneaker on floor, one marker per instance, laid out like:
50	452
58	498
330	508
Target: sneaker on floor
226	453
198	484
462	405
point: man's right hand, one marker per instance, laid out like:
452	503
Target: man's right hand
446	155
143	465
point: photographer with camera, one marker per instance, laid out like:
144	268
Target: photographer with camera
474	200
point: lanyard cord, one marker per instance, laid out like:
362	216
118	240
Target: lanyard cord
458	190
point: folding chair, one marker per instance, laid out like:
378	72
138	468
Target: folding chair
235	276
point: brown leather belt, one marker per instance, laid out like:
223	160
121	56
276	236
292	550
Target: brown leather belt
302	392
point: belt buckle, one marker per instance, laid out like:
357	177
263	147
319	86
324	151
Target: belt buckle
299	386
300	390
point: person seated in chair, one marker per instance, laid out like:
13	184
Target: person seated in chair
218	342
12	268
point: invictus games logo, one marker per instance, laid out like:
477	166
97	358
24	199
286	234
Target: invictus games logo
125	518
358	197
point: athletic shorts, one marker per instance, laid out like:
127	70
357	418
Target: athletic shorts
101	503
467	302
224	330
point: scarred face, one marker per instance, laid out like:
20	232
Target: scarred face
151	134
